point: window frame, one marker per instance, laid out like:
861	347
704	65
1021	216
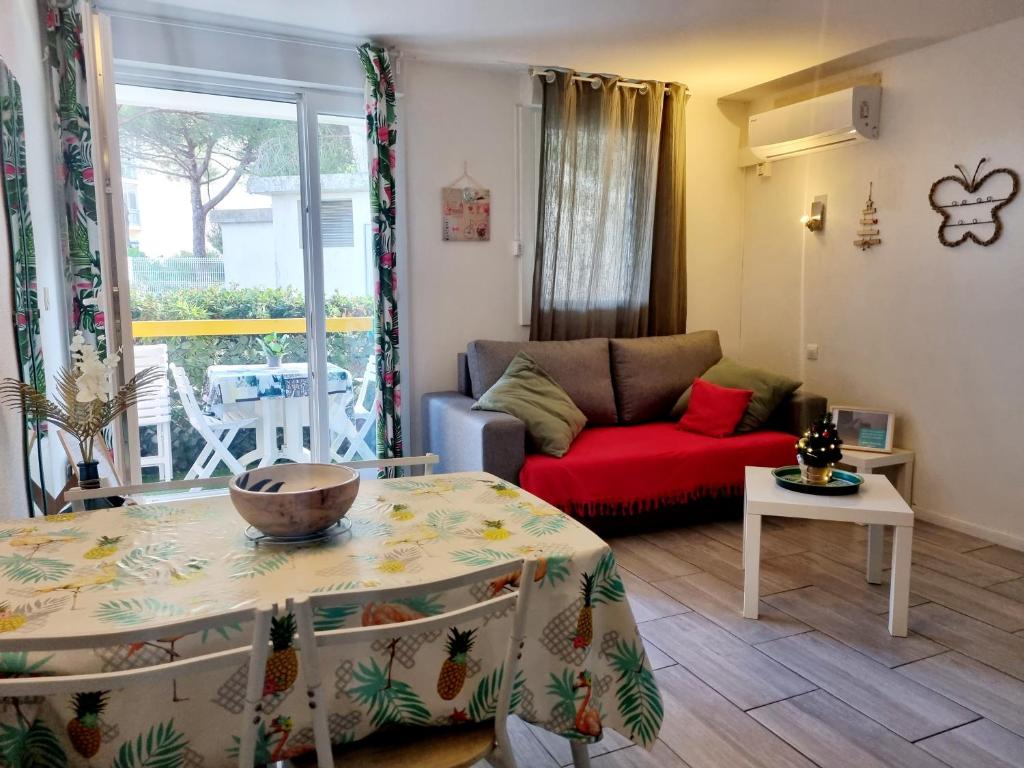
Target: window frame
310	102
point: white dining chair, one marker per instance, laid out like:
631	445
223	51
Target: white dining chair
154	408
461	745
255	655
138	493
218	433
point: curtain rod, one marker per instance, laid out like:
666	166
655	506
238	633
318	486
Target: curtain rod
549	75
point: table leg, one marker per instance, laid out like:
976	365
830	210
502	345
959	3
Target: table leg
905	480
751	564
268	427
876	546
292	429
899	589
580	756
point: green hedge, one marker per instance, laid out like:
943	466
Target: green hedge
195	354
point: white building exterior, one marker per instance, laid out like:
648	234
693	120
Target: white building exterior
263	246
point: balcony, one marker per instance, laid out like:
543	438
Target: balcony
224	378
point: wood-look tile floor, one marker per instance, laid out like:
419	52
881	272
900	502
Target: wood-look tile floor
818	681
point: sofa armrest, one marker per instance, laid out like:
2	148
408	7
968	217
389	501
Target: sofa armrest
797	411
468	440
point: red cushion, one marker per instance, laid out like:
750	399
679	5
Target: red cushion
625	470
714	410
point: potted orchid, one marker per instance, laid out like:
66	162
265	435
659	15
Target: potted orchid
86	402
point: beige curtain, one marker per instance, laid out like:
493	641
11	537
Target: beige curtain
610	217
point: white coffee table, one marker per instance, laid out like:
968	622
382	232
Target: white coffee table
877	504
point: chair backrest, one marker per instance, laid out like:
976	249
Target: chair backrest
427	461
78	495
187	395
368	387
255	654
155	407
311	640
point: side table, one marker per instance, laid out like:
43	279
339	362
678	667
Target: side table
867	462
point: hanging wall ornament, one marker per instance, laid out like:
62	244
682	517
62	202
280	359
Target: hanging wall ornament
868	234
976	216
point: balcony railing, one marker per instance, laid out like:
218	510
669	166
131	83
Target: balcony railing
147	329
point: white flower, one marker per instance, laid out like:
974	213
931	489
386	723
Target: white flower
93	376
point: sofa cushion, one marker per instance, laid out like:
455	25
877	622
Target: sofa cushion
714	411
769	388
627	470
580	367
650	374
528	393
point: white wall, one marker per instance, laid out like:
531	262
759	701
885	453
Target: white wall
714	218
451	114
927	331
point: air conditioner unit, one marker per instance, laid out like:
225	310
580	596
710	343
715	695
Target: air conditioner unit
824	122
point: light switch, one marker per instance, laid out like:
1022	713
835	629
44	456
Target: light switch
812	351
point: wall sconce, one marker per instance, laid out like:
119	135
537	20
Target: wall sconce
815	221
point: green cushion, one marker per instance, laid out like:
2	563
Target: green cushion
525	391
769	389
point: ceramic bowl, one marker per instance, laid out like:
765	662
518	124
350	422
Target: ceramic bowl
294	499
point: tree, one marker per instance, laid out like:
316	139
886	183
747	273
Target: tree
199	147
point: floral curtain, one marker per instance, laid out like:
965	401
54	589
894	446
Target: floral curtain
381	129
66	57
19	225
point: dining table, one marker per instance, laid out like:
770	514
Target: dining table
279	397
111	571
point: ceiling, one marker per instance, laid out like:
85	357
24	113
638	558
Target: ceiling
717	47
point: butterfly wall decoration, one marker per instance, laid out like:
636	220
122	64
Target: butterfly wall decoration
975	216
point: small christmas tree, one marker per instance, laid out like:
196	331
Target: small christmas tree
818	450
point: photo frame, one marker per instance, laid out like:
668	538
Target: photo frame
864	429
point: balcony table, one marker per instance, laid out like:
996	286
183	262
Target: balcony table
581	667
278	396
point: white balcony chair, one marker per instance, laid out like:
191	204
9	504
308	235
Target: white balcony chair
254	654
155	409
460	745
363	418
77	496
218	433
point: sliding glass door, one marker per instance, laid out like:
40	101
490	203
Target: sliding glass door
247	271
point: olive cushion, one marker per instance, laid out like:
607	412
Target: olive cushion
769	389
579	367
525	391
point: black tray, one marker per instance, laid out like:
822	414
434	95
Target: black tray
842	483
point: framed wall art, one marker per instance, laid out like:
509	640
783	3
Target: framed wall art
465	209
864	429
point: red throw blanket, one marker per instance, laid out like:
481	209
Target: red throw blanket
629	470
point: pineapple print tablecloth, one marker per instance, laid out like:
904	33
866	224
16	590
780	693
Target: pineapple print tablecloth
583	667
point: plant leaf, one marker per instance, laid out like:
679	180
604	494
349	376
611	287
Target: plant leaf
135	611
163	747
391	701
637	692
607	584
35	746
32	570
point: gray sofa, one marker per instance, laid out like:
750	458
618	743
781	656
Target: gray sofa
613	381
